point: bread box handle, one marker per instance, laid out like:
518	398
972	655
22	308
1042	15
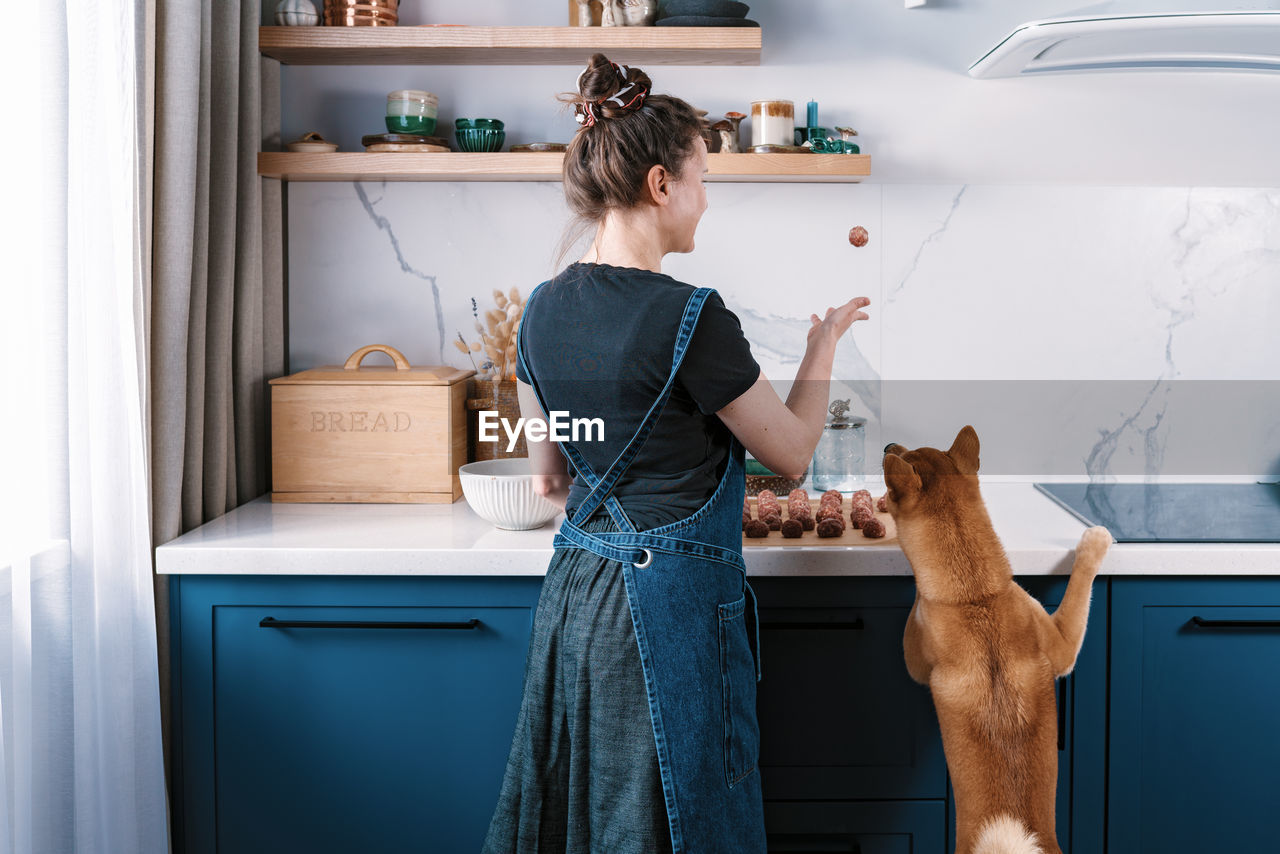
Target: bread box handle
353	363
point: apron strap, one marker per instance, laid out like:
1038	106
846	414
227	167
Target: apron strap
630	546
576	460
601	490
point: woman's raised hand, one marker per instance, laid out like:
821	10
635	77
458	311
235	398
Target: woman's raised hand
837	320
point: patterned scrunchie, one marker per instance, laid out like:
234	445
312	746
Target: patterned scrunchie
588	112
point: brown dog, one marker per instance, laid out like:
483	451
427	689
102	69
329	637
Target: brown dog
987	650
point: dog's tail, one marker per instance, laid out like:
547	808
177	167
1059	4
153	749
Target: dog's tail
1004	834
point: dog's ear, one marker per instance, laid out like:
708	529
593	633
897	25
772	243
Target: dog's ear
900	477
964	451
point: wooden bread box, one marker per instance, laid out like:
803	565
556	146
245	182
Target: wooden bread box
378	434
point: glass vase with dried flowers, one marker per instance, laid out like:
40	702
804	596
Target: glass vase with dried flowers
494	388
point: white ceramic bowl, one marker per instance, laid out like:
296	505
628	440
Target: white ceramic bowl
501	491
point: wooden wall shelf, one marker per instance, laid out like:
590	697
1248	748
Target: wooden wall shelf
545	166
509	45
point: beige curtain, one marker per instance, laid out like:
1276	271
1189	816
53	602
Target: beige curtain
216	302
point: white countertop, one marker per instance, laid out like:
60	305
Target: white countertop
264	538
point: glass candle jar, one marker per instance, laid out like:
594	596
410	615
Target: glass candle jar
772	122
838	458
412	111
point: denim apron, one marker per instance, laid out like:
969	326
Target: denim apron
695	625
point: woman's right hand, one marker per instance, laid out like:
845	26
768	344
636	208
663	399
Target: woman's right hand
783	435
836	321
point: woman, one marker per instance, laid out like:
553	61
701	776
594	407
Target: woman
637	731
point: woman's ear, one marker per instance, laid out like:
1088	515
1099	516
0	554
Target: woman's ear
658	184
900	477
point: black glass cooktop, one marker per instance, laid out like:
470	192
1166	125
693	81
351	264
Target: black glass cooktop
1175	512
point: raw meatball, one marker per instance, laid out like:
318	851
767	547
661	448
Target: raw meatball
767	502
832	527
807	523
774	521
798	504
881	504
873	528
829	512
792	529
755	529
861	515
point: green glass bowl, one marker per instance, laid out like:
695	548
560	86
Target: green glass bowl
491	124
480	139
420	125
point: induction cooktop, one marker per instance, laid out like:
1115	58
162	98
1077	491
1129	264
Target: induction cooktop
1175	512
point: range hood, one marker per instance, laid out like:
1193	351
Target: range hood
1235	41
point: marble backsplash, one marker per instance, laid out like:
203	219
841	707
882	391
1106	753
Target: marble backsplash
1084	331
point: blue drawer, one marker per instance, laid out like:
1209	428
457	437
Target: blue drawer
330	731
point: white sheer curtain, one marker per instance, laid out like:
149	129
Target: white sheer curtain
80	739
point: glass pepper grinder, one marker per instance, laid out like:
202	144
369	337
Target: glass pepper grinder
838	458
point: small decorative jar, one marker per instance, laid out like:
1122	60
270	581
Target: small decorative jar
296	13
412	111
838	459
772	122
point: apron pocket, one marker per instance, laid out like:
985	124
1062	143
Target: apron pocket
738	675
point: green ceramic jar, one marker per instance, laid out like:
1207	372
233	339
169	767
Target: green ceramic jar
412	111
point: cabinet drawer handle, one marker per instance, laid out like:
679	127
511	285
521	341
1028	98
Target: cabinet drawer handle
273	623
847	625
1235	624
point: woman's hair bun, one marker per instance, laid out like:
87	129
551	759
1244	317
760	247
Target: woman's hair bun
625	132
607	90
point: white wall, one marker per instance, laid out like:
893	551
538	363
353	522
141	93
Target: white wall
1057	261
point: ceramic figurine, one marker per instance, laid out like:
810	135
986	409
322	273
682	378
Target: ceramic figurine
584	13
843	145
296	13
846	139
727	143
639	13
734	119
611	13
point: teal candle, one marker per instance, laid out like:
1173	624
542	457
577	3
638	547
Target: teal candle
811	116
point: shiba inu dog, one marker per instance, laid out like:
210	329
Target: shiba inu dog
988	651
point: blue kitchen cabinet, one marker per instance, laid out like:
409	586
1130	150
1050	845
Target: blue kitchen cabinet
325	714
850	753
1082	725
840	719
1194	753
851	756
299	726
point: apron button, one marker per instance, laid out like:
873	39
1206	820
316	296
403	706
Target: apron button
648	559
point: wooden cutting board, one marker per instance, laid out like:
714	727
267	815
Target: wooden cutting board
851	536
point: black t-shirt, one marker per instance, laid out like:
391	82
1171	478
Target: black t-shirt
599	340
